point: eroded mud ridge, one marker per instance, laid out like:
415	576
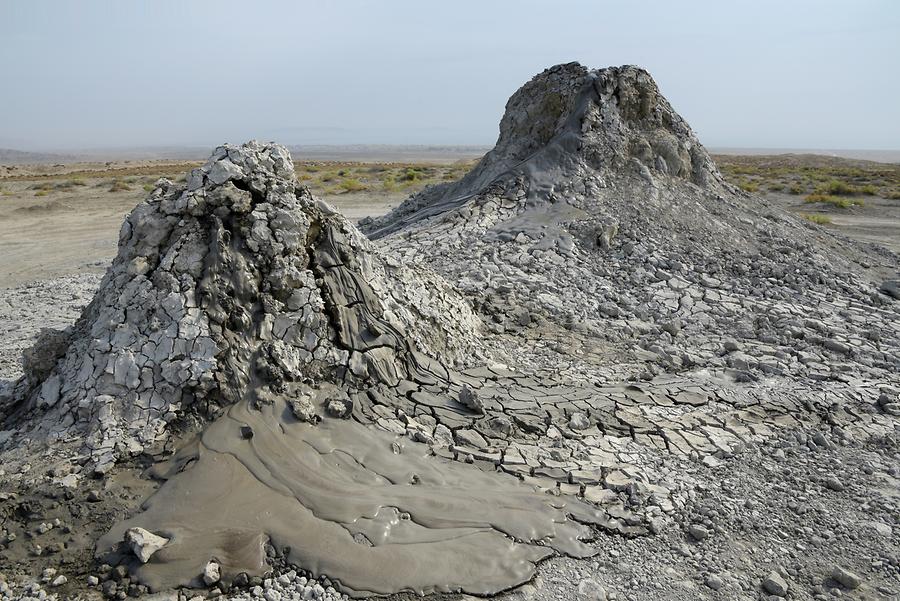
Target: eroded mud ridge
546	357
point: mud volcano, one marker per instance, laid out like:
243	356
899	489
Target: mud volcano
599	212
589	333
252	328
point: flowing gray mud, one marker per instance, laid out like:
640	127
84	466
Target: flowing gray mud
350	506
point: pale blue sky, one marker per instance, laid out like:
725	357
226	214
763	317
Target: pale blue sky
760	73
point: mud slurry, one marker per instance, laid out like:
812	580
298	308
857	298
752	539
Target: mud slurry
375	519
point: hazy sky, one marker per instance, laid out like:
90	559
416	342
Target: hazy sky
761	73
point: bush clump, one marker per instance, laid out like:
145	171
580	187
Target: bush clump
817	218
837	201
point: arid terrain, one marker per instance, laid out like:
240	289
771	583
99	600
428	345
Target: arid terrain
64	219
860	199
596	363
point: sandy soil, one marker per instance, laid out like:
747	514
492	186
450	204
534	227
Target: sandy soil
75	230
878	221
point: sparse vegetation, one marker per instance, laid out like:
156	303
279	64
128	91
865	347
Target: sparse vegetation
328	178
817	218
835	188
352	185
823	178
119	185
837	201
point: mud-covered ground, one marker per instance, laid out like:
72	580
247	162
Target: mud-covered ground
796	511
790	505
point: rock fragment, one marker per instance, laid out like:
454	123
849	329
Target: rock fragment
845	577
144	543
211	573
698	532
469	398
340	407
579	421
302	408
775	584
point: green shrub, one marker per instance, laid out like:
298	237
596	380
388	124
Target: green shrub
796	189
817	218
748	186
841	203
352	185
119	185
836	188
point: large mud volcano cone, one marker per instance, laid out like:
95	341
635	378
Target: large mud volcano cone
242	310
566	122
599	210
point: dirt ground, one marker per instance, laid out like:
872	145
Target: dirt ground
58	220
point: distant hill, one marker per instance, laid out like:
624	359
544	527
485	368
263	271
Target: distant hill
803	154
20	157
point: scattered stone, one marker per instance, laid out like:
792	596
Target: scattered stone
144	543
774	584
340	408
846	577
303	409
714	582
469	398
211	573
579	421
834	483
698	532
591	590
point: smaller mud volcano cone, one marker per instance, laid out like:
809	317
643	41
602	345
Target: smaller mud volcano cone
237	286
